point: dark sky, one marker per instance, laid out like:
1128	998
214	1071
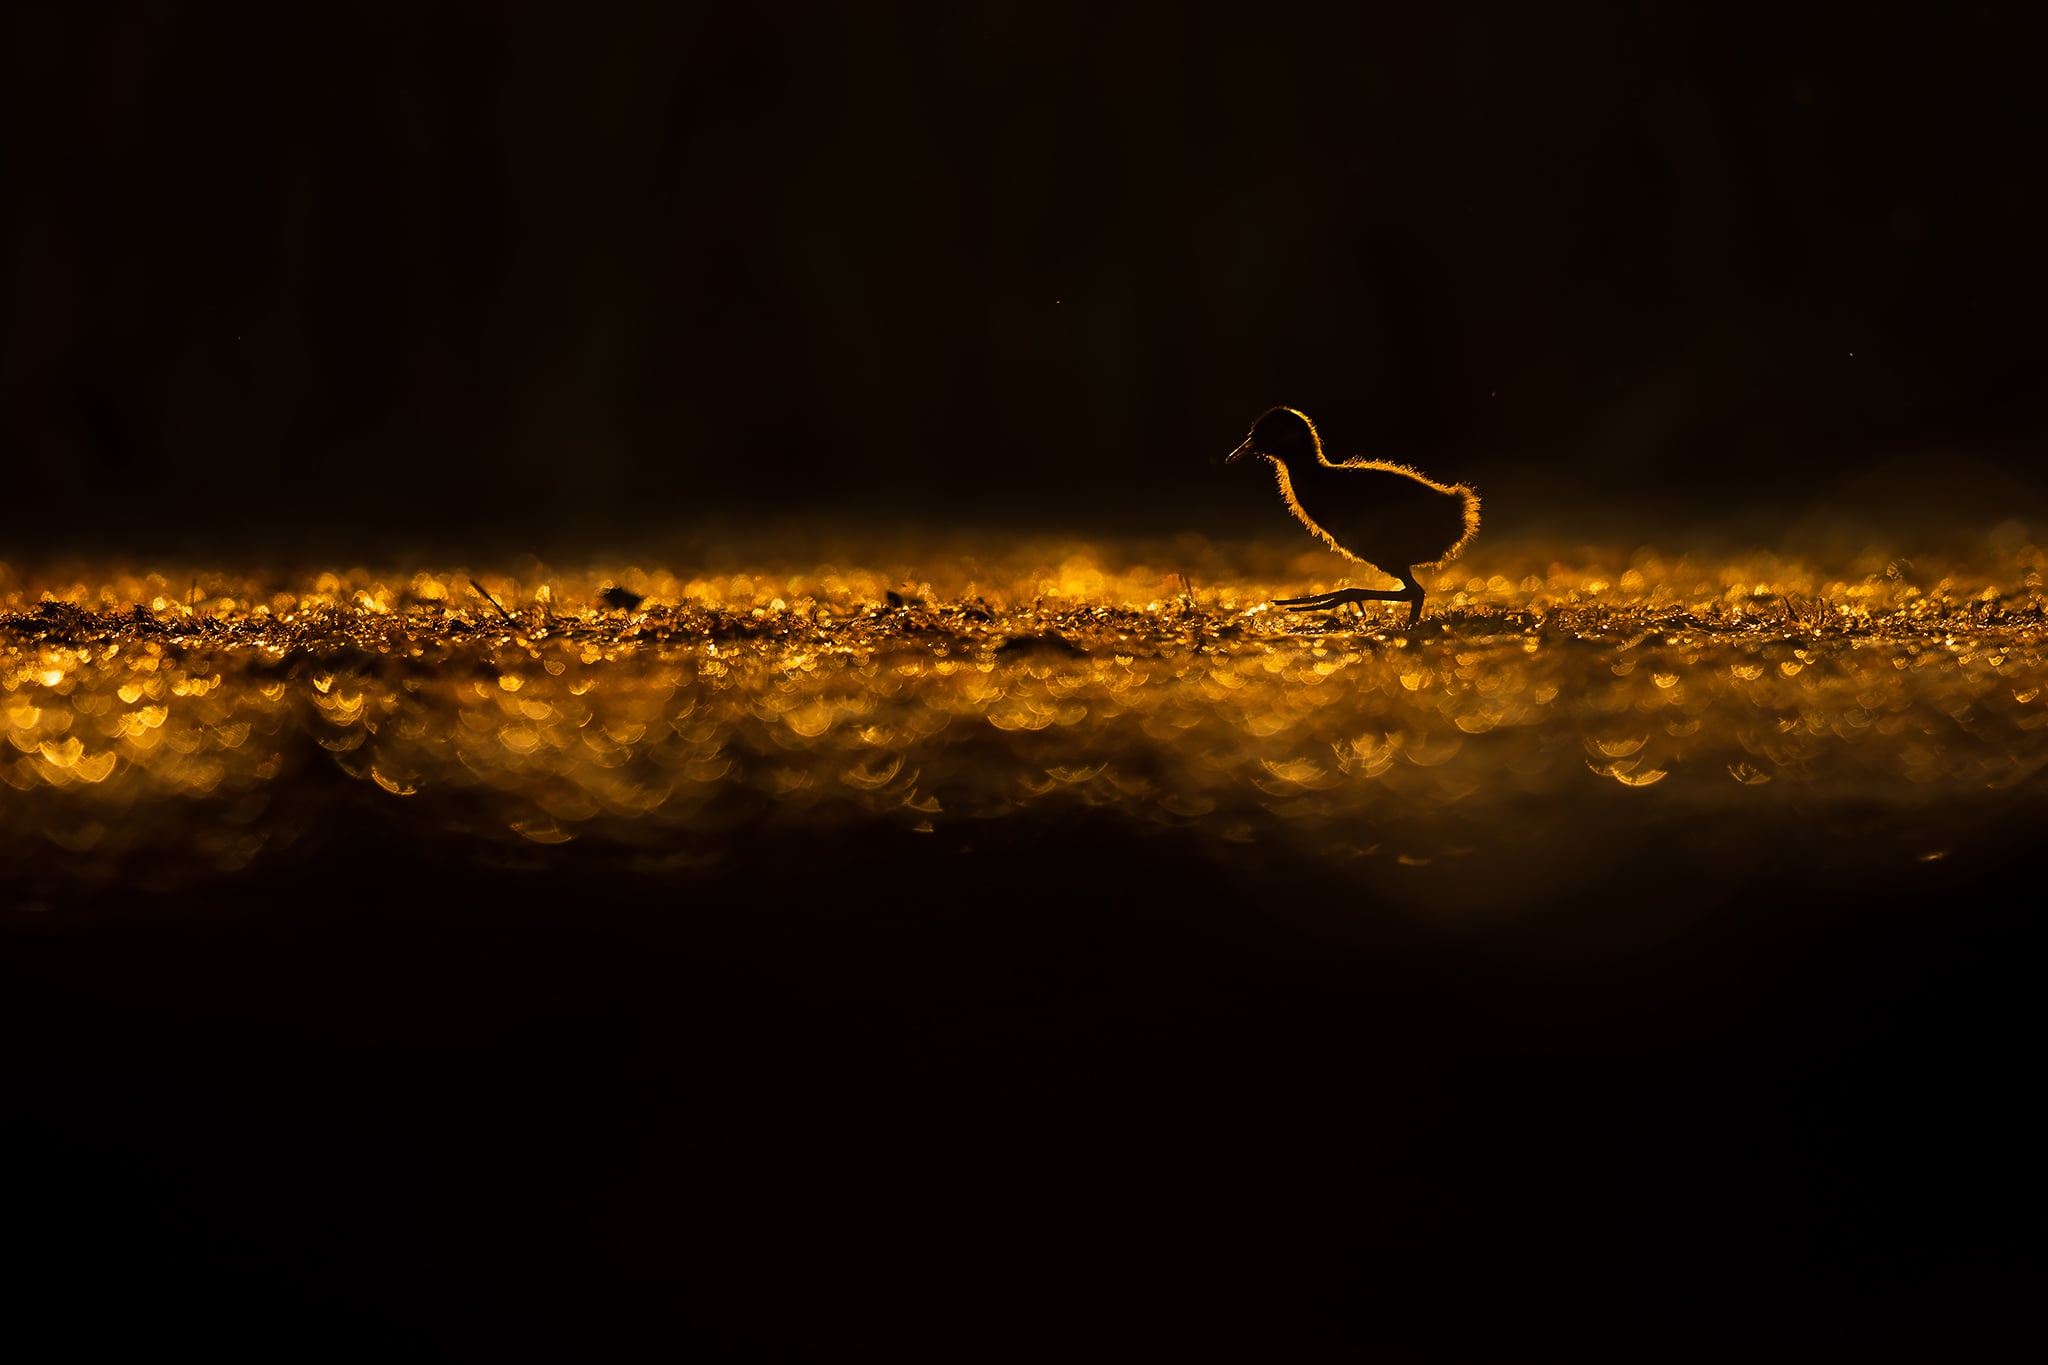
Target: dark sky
512	276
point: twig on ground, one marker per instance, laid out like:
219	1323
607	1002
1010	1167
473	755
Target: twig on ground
493	601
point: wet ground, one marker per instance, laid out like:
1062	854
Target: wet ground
987	954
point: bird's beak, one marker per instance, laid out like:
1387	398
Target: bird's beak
1243	450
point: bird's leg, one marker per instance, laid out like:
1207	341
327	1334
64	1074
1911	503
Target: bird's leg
1414	595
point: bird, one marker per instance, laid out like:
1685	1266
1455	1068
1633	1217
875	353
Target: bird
1383	515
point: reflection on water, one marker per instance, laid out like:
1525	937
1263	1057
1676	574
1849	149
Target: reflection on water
162	729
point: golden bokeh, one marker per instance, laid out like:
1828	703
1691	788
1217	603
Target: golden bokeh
160	729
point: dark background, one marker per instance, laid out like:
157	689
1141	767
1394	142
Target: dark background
469	279
506	277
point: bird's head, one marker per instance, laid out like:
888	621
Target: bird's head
1280	434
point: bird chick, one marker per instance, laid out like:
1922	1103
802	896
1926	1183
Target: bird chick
1383	515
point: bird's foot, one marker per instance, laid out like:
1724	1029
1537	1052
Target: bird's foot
1324	601
1321	602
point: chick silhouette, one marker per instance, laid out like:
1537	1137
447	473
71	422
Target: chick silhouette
1386	516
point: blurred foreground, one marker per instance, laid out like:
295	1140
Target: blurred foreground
1515	744
931	944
